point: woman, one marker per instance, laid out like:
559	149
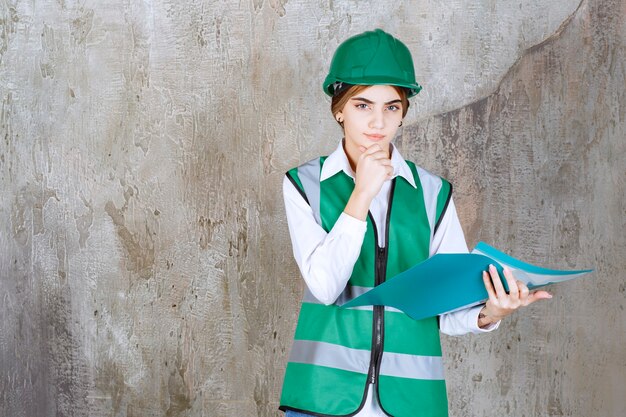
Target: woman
357	217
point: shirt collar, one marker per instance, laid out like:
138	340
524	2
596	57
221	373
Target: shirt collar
338	161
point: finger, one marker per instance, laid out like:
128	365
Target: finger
374	156
362	148
523	290
497	283
512	283
538	295
374	148
379	155
489	286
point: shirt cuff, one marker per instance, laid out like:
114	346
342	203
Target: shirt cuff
472	324
350	226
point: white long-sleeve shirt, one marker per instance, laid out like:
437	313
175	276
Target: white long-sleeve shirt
326	259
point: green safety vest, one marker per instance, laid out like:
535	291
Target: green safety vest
336	352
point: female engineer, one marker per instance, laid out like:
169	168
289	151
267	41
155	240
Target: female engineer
357	217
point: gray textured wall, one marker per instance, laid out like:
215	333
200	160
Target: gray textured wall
145	264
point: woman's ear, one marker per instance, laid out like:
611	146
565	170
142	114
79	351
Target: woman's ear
339	117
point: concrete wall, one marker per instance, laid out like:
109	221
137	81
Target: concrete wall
145	263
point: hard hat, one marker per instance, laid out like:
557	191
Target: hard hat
372	58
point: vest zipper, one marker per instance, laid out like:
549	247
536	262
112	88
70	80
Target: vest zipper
377	337
381	254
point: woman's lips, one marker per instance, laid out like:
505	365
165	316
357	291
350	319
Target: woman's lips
375	137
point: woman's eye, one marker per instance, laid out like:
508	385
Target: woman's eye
393	107
361	106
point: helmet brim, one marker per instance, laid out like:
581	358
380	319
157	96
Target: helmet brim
412	88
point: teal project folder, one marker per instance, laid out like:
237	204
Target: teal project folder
447	282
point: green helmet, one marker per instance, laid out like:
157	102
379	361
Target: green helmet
372	58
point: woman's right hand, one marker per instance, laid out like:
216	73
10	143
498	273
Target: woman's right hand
372	170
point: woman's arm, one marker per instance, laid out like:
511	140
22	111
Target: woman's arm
325	259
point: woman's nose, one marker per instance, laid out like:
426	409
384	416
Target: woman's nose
377	121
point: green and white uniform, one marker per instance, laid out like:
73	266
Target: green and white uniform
338	352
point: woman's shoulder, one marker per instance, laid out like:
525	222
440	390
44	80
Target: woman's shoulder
310	164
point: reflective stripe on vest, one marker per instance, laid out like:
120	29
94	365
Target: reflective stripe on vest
431	186
357	360
309	174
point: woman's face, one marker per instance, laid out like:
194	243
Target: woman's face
371	116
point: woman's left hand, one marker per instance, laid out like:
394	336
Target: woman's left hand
501	304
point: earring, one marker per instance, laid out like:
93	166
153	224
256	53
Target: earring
400	125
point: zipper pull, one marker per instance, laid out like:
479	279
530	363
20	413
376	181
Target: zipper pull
380	262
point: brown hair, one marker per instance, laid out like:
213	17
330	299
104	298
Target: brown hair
340	100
